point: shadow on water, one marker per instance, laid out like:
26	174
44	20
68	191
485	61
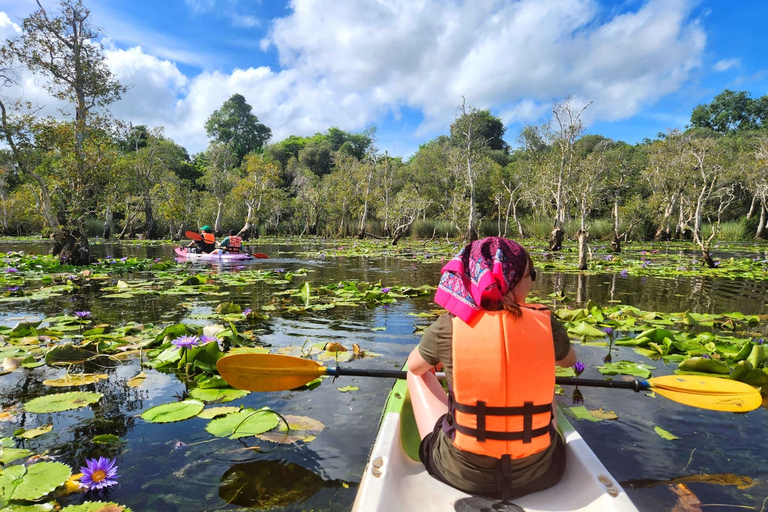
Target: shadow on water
269	484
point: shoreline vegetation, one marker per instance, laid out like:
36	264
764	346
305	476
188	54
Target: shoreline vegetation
91	172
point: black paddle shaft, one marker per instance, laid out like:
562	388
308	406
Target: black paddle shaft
636	385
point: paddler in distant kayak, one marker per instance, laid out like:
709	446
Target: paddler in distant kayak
208	243
494	434
232	244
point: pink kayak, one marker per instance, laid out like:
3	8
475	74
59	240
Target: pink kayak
181	252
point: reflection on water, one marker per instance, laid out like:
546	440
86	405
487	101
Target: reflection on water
179	466
269	484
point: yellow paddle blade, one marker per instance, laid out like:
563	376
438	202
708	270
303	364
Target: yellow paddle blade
268	372
708	392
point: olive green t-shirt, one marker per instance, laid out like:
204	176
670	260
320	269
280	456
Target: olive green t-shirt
468	471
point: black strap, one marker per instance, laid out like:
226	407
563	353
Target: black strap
503	411
504	436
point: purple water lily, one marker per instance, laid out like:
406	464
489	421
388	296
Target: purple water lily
624	273
11	270
99	473
186	341
247	311
82	315
608	331
578	368
385	290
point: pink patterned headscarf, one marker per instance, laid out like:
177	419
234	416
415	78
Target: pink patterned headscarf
484	269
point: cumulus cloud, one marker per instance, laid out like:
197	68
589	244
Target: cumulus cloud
354	64
8	29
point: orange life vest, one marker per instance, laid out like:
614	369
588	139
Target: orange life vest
504	383
209	238
235	242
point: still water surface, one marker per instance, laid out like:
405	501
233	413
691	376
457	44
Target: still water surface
205	473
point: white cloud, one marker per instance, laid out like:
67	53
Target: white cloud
352	64
725	64
8	29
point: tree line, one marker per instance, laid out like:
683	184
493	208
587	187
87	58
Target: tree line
59	177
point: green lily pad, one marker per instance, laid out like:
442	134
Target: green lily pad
175	411
347	389
704	365
62	401
68	354
8	455
78	379
581	413
665	434
32	483
217	394
584	329
248	422
35	432
300	428
96	506
213	412
108	439
626	368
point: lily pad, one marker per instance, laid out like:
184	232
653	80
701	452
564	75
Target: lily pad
665	434
79	379
176	411
62	401
248	422
213	412
704	365
35	432
32	483
347	389
218	394
301	428
626	368
581	413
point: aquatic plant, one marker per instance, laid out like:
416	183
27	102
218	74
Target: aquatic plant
99	473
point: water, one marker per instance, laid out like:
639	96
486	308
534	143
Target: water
180	467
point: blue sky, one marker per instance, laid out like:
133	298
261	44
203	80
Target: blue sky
402	66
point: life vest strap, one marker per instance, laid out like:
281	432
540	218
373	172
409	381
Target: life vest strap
481	411
502	411
504	436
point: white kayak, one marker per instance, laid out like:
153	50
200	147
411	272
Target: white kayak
182	252
396	481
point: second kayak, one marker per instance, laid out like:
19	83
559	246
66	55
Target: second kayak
181	252
395	480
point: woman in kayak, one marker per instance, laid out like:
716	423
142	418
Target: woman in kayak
494	434
207	244
231	244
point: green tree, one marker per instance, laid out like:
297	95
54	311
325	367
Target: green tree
234	124
731	112
64	50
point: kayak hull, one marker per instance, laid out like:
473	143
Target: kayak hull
181	252
394	480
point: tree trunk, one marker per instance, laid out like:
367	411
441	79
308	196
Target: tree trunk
583	248
72	247
217	224
556	239
150	226
761	225
108	216
615	238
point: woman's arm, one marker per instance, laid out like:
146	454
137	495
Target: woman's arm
568	361
416	364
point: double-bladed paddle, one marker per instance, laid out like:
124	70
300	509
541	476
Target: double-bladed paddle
197	237
276	372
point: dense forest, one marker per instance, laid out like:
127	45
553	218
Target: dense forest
94	175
